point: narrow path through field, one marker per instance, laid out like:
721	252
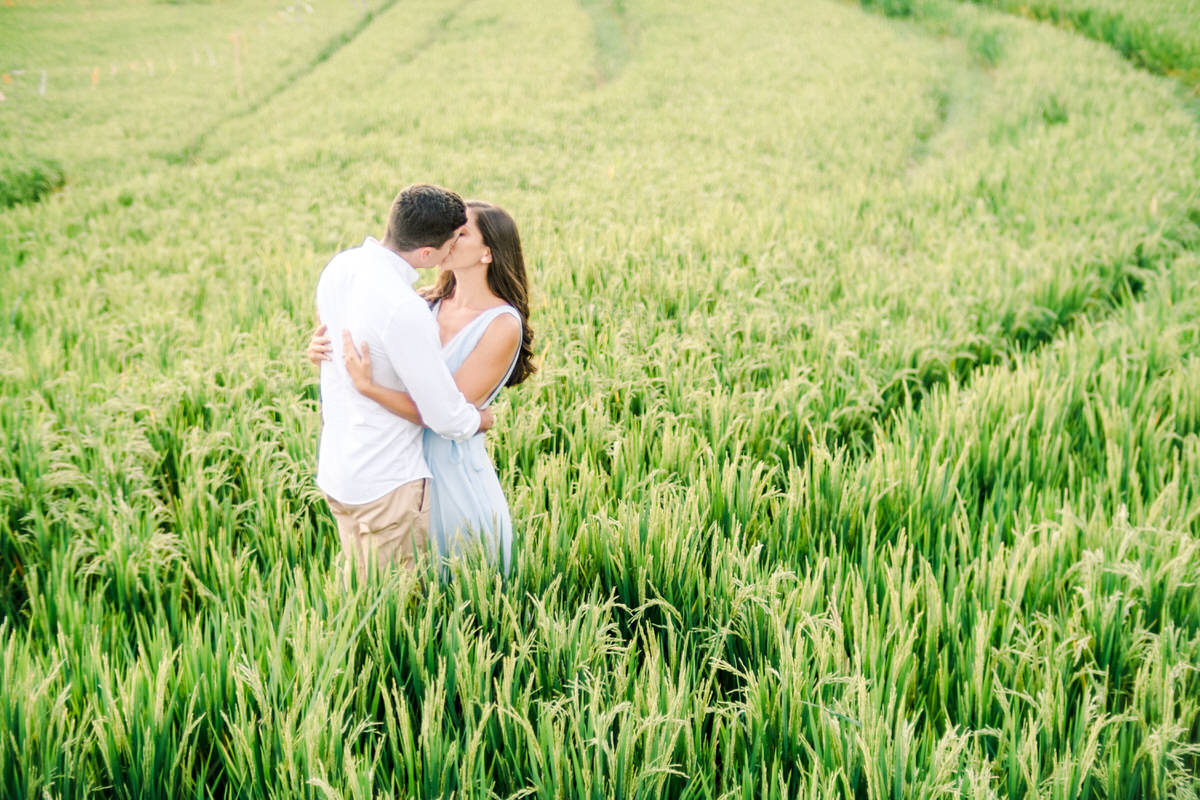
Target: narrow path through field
191	151
612	36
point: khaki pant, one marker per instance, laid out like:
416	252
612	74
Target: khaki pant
390	531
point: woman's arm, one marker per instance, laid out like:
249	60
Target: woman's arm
319	348
486	365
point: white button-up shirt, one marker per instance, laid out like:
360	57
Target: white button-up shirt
367	451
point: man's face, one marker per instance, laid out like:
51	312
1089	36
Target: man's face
434	257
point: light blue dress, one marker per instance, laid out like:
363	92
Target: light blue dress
467	505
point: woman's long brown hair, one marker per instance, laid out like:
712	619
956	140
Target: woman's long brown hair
505	277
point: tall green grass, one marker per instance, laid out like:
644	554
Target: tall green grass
1162	37
116	88
860	461
27	180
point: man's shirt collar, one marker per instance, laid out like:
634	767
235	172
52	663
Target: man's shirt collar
405	269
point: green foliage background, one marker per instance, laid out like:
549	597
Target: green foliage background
862	461
1160	36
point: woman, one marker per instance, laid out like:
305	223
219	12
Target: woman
481	304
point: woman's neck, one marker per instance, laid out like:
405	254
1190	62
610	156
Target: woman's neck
471	291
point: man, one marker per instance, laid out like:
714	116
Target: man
371	465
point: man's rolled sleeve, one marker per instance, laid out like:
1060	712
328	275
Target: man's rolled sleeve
415	353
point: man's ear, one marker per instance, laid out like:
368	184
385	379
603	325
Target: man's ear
424	253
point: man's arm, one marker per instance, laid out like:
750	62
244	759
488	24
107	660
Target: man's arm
399	403
415	354
483	368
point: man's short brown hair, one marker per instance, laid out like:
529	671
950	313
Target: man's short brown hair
424	215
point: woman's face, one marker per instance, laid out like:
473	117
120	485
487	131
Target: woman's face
469	249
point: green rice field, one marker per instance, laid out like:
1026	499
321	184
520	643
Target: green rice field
863	459
1162	36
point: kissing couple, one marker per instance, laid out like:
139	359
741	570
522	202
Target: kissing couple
407	377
